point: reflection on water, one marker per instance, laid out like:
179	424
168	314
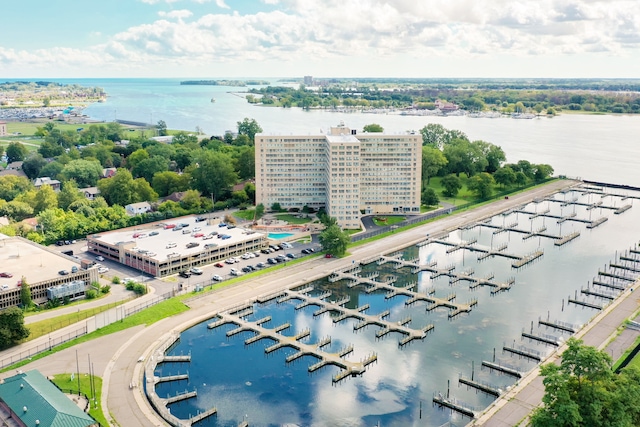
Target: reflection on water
243	382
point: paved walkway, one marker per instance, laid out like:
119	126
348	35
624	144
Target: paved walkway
114	357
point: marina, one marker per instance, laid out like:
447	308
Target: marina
323	337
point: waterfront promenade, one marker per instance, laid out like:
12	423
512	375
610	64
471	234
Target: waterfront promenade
115	357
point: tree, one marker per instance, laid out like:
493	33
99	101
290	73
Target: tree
45	198
250	128
25	293
521	179
86	173
119	189
245	162
436	135
464	157
136	157
505	176
16	152
334	241
213	173
451	184
543	171
584	391
161	128
12	327
432	162
429	197
11	186
481	184
68	194
373	127
32	165
259	211
167	182
147	168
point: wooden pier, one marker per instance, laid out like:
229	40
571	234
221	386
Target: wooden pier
349	368
546	339
625	267
454	405
561	326
566	239
527	259
524	352
608	285
502	368
203	415
617	276
480	385
585	304
609	296
158	380
180	397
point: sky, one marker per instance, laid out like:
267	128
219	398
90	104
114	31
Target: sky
322	38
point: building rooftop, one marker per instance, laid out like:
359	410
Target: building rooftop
156	245
36	263
37	401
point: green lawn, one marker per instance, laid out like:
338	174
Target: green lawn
384	220
293	219
44	327
69	386
247	215
28	128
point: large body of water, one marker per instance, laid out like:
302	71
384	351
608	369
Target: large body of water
243	382
596	147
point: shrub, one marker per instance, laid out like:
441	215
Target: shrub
105	289
139	288
115	280
91	294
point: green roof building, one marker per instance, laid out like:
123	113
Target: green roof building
32	400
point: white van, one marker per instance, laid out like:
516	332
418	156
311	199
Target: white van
171	245
186	231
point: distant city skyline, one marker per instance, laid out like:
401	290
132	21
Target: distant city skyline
323	38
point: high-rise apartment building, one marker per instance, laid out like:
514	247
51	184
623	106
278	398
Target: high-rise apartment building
345	172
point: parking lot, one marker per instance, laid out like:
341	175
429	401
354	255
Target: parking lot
206	275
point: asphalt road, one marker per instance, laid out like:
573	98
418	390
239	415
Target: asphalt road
115	357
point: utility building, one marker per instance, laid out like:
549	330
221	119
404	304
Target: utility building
347	173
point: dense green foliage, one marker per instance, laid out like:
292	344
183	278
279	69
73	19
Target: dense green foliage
504	95
584	391
12	328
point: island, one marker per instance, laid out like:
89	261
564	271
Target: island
236	83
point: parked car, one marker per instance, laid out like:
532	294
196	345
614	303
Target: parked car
200	218
60	243
196	270
225	237
265	251
171	245
154	233
222	224
230	226
198	234
210	245
219	264
216	278
229	261
207	237
5	274
213	233
286	245
63	272
168	226
272	261
103	270
74	269
260	265
246	269
186	274
192	245
328	256
292	256
235	272
197	229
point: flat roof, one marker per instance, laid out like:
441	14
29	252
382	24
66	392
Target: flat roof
157	244
36	263
342	138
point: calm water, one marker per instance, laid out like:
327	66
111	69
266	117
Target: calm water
602	148
243	382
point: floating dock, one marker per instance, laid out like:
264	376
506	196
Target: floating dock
502	368
481	385
454	405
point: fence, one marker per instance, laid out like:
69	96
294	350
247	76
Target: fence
40	348
56	341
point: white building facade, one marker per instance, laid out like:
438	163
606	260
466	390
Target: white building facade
342	171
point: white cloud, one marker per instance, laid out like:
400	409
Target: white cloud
178	14
333	33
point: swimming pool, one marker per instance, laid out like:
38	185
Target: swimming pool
278	236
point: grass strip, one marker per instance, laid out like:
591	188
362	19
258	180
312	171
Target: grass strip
70	386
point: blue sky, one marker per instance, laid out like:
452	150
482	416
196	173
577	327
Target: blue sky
323	38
